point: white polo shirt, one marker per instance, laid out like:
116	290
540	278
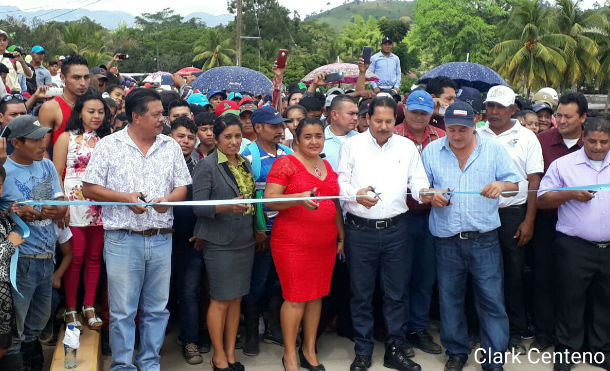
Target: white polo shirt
525	150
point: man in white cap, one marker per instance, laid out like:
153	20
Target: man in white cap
518	213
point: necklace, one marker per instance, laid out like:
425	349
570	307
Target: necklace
317	171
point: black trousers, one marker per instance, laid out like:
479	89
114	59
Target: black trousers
514	264
583	295
544	277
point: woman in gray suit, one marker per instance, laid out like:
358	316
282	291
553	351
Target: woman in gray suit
228	236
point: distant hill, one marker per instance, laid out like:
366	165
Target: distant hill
337	17
108	19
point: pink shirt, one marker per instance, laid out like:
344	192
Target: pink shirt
587	220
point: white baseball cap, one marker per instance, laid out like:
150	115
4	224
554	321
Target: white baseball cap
502	95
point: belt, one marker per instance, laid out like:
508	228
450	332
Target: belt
468	235
599	245
373	223
46	255
150	232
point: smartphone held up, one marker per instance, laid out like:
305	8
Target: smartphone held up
282	56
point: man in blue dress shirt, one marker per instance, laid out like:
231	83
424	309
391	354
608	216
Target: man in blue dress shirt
386	65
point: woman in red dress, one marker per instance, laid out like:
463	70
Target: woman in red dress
305	239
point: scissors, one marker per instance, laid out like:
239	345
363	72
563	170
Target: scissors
450	191
375	192
141	197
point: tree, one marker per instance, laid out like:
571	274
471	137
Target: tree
396	30
534	57
358	34
213	50
600	31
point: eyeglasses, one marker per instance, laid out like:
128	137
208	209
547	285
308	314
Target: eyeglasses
10	97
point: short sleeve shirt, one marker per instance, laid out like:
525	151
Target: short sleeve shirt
118	164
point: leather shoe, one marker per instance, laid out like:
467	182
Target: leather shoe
408	349
455	363
305	363
423	341
562	366
541	343
361	363
516	346
396	358
497	368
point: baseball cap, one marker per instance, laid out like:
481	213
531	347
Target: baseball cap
245	100
214	92
233	95
335	91
329	101
542	106
386	40
248	106
363	106
61	58
199	99
227	106
543	97
420	100
27	126
552	93
471	96
384	94
267	115
502	95
2	32
37	49
459	113
100	73
297	86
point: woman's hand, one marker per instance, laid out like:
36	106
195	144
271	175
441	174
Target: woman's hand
240	208
310	204
340	249
15	238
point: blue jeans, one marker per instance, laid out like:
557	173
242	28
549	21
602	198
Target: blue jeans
188	266
481	257
423	272
33	309
369	251
264	278
139	270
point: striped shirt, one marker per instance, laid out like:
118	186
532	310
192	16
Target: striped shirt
489	162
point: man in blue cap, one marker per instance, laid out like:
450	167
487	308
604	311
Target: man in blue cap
215	97
262	153
43	76
420	106
466	229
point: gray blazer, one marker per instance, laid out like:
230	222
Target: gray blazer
214	181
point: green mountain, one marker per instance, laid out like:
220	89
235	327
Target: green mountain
337	17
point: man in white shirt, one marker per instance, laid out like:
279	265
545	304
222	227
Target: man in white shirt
518	213
20	67
379	167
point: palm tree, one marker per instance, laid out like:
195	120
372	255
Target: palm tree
599	29
581	55
533	56
213	51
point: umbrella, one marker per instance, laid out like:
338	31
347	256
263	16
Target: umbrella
233	78
468	74
349	70
160	77
187	71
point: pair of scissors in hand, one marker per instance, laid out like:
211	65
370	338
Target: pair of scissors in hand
377	194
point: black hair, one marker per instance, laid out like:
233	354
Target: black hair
177	103
223	122
518	114
3	68
168	96
111	103
186	122
527	112
53	63
137	101
438	84
578	98
313	101
295	107
13	100
308	121
121	116
75	121
205	118
112	87
600	123
382	102
293	93
339	100
72	60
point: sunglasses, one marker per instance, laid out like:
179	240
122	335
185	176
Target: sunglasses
10	97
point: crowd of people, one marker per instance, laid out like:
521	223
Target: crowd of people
449	208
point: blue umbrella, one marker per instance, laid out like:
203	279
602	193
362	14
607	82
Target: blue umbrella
468	74
233	78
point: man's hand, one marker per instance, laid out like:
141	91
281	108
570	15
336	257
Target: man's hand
160	208
492	190
377	90
278	71
525	232
15	238
199	243
3	154
438	199
319	79
582	196
177	80
65	221
190	79
53	212
25	212
426	195
366	201
362	67
40	92
135	197
18	57
260	237
56	281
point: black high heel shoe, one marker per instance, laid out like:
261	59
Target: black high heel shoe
283	365
214	368
305	363
237	366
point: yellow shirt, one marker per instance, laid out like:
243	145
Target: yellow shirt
245	181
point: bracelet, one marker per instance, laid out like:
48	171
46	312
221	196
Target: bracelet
339	240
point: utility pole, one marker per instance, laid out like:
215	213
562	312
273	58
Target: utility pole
238	30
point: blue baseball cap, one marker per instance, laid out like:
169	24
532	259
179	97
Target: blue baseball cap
420	100
233	95
459	113
471	96
267	115
215	92
199	99
37	49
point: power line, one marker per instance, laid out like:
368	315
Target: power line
44	7
71	11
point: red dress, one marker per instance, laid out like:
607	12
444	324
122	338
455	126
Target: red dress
303	241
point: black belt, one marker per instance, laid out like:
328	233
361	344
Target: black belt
372	223
150	232
599	245
468	235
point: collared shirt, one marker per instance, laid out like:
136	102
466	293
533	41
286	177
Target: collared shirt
244	180
489	162
587	220
553	146
118	164
524	148
43	76
332	146
387	69
391	169
14	70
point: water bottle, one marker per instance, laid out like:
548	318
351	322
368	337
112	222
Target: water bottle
71	344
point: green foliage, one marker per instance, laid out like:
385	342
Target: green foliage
213	50
395	29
